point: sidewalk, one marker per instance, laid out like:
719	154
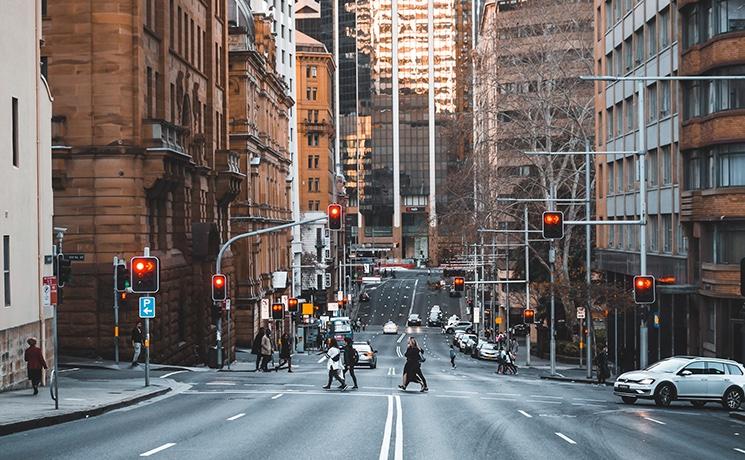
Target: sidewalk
79	399
564	372
89	363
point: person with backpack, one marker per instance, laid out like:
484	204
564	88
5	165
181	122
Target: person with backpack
333	364
351	357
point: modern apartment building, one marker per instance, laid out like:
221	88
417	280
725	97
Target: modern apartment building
632	39
26	187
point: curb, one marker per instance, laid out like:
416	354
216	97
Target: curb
25	425
573	380
153	367
738	416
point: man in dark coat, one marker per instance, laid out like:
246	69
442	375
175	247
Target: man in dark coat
35	363
256	346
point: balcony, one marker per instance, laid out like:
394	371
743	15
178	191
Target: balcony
161	135
229	176
720	280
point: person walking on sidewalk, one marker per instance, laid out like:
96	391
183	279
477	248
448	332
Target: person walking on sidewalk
256	347
137	339
333	364
285	352
34	362
266	350
601	360
351	357
452	356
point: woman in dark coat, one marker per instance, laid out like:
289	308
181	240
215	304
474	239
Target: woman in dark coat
256	346
601	360
413	366
35	363
285	352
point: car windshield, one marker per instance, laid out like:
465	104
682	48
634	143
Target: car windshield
363	347
668	365
341	326
414	316
489	346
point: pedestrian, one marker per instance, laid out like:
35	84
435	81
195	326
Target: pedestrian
137	339
319	340
34	363
513	345
351	358
413	367
364	326
501	360
452	356
285	352
256	347
333	364
601	361
266	350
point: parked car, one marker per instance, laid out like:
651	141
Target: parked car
456	337
486	350
466	341
435	308
685	378
368	356
414	320
390	328
465	325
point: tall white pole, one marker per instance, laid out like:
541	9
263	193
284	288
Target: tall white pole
431	104
643	331
588	258
337	157
394	109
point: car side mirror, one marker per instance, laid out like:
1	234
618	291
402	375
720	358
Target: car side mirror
375	351
685	373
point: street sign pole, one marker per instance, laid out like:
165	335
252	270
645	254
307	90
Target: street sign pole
227	307
147	352
116	311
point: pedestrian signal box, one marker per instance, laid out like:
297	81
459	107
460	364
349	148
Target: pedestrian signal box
644	287
459	283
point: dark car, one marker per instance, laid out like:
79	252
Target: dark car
414	320
364	296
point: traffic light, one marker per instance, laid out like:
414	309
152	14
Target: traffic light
292	305
122	277
144	274
334	215
64	270
459	283
219	287
553	225
277	311
122	299
528	315
644	288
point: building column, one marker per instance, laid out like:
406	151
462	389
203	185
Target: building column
397	236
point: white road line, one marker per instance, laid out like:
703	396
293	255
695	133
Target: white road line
452	396
493	399
220	383
298	384
278	396
398	352
69	370
463	392
387	432
74	399
543	402
399	452
740	450
565	438
403	334
171	373
413	296
590	400
525	413
548	397
655	421
235	417
157	449
322	360
504	394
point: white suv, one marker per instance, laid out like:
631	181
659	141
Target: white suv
685	378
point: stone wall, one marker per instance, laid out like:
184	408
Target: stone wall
12	347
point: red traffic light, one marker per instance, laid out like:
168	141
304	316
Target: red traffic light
334	213
644	289
528	315
219	287
277	311
292	304
459	283
145	274
553	225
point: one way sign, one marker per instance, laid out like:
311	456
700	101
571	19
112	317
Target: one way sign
147	307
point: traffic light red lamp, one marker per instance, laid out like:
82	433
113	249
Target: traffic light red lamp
553	225
459	283
334	213
219	287
644	289
528	315
145	274
277	311
292	305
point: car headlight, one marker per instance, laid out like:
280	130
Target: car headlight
646	381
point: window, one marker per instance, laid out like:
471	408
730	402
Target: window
667	233
609	64
43	8
149	93
639	42
707	19
729	243
611	235
609	123
667	166
630	173
651	103
731	169
664	99
15	147
696	368
629	114
173	103
627	54
682	240
314	94
313	71
180	31
608	14
620	233
714	368
652	172
6	268
665	28
734	370
171	37
619	120
611	179
652	232
652	38
619	176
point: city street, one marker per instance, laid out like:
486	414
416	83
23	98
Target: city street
469	411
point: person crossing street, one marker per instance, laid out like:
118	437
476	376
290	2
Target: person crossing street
333	364
351	357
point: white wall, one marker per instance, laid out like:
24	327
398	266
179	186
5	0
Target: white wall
26	190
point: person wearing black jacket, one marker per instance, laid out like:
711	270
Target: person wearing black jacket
137	340
350	359
413	367
256	347
285	352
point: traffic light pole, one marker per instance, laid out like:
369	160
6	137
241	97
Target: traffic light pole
527	285
643	329
116	311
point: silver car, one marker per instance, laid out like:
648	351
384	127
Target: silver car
685	378
368	356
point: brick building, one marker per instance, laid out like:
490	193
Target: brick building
140	159
260	103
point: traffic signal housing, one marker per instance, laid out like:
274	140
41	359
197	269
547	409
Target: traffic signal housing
292	305
219	287
459	283
553	225
122	277
144	274
64	270
277	311
644	289
334	213
123	299
528	315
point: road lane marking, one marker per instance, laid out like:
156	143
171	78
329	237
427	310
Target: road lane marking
391	371
452	396
398	352
399	452
387	432
171	373
590	400
549	397
413	296
740	450
463	392
543	402
298	384
323	358
493	399
278	396
565	438
525	413
157	449
504	394
220	383
235	417
403	334
655	421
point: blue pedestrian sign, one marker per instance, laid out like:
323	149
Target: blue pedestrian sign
147	307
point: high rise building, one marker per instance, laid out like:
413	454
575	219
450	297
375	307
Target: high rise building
26	188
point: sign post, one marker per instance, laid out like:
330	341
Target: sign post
147	311
49	299
227	308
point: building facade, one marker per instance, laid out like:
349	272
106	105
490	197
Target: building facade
26	176
712	150
140	159
259	108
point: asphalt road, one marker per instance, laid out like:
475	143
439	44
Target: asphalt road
470	412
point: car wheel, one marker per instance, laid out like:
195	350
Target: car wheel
664	395
698	404
628	399
448	331
373	366
732	399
